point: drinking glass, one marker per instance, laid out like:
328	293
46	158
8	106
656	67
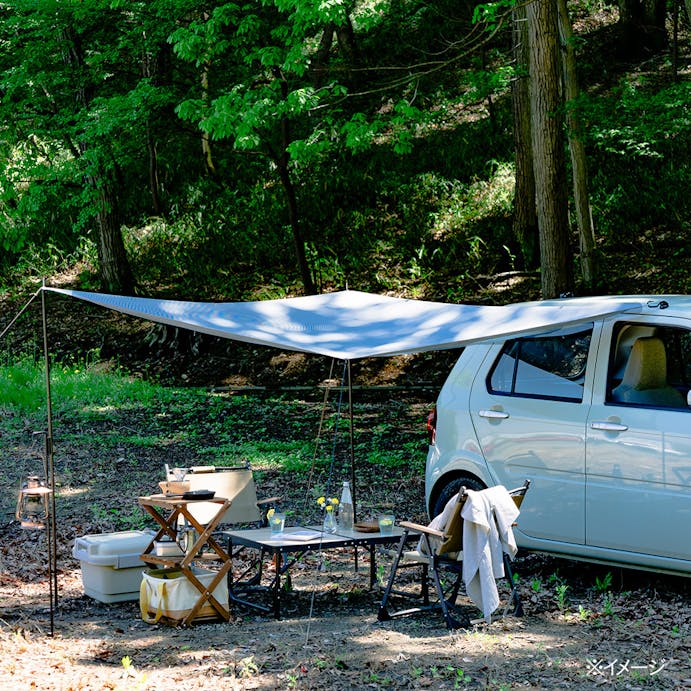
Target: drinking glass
277	522
386	521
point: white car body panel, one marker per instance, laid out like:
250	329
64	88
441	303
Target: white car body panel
610	482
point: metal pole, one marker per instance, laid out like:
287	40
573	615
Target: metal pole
352	442
353	489
50	471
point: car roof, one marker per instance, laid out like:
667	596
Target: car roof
673	305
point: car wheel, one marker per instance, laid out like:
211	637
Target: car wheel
452	488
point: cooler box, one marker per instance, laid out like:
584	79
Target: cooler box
111	567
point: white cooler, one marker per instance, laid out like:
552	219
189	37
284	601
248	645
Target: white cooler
111	567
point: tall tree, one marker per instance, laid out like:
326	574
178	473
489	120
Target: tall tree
83	98
260	91
116	273
584	218
547	123
525	226
642	25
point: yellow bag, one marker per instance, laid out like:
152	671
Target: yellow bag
168	593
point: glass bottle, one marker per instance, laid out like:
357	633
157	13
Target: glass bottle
345	508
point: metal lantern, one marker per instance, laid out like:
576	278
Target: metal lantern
33	503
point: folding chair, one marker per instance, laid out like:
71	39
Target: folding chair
234	483
246	510
440	551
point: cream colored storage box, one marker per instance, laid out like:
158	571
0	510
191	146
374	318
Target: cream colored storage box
111	567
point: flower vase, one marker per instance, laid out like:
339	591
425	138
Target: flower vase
330	522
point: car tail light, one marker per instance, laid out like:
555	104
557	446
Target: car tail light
432	425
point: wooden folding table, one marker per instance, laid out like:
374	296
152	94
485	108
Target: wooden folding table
167	512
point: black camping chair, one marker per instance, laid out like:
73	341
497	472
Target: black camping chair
440	551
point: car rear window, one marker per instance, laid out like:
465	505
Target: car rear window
550	366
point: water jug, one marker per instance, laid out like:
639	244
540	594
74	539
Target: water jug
345	508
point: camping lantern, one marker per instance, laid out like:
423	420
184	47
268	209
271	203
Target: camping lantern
32	503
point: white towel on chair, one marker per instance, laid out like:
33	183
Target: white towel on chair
487	519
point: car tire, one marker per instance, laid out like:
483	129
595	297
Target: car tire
452	488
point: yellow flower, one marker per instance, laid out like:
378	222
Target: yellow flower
270	513
334	501
321	501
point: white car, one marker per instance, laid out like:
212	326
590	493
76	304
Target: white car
597	416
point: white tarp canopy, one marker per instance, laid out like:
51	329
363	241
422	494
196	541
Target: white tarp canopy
351	324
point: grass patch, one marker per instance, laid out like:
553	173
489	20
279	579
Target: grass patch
106	410
294	455
77	387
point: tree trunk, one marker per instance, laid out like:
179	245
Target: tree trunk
548	148
116	274
155	66
154	185
346	41
282	160
584	218
321	56
642	25
293	216
345	35
524	213
115	269
206	140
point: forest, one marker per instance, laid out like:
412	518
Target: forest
246	150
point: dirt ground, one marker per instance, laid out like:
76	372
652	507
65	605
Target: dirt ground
635	635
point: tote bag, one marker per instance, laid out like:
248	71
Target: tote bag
168	593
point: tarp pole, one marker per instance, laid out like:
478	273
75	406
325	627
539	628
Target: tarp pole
50	470
352	443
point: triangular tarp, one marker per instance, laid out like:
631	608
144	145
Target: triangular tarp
351	324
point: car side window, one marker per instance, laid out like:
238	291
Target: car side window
550	366
649	365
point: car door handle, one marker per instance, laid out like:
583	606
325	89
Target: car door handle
494	414
609	426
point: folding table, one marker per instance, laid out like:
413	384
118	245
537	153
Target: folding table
285	549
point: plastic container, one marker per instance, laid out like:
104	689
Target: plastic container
110	563
167	548
345	508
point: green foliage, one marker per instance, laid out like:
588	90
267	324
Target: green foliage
584	614
294	455
562	599
77	111
607	605
398	146
267	83
492	13
602	585
641	145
